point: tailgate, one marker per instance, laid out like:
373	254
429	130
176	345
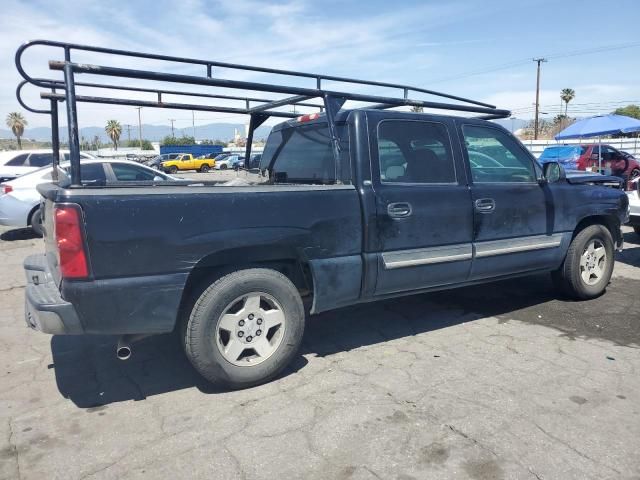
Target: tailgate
49	193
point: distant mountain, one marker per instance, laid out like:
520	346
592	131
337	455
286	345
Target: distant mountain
154	133
211	131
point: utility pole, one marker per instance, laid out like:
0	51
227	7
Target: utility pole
193	125
535	124
172	132
139	127
128	133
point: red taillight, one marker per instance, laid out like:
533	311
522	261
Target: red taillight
308	118
6	188
68	228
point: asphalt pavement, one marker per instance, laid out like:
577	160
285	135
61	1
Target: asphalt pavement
501	381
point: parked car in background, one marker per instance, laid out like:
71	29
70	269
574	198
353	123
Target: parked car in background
634	205
254	160
186	161
232	161
592	157
566	155
18	162
20	200
156	161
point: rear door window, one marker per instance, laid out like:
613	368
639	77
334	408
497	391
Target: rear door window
40	159
90	173
412	151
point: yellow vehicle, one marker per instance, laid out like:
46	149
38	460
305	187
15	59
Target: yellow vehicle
186	161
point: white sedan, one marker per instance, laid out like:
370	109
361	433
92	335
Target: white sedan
20	200
19	162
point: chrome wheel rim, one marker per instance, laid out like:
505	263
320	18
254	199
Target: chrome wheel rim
250	329
593	262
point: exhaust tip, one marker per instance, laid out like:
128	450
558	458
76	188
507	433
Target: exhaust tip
123	352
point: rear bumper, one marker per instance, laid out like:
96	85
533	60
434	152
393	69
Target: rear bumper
45	309
118	306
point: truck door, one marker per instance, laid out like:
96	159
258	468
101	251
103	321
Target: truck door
513	212
424	219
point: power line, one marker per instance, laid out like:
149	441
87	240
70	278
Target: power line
517	63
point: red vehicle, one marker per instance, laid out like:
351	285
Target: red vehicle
613	161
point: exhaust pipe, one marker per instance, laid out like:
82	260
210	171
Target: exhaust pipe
123	349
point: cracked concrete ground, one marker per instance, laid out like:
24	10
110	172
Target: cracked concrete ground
503	381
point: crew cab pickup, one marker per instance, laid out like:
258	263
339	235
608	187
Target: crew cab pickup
347	205
187	161
410	211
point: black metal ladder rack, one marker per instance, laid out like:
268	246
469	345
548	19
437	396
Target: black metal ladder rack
258	109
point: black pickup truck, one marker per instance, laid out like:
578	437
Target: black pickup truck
349	206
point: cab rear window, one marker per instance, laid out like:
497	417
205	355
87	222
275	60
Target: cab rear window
302	154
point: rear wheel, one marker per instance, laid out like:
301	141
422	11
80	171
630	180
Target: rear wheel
635	173
587	268
204	168
36	222
245	328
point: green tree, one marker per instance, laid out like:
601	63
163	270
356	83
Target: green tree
566	95
184	140
146	144
16	122
114	130
629	111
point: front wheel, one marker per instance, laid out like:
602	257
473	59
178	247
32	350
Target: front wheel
173	169
245	328
587	268
223	167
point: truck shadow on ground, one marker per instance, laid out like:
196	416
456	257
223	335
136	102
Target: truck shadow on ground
19	234
89	374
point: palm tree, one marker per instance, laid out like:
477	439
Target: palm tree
566	95
16	122
113	129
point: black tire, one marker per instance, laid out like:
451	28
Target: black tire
204	168
635	173
36	222
201	332
223	166
568	277
637	230
173	169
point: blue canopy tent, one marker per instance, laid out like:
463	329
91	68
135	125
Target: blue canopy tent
599	126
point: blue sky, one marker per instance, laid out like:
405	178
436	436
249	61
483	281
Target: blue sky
478	49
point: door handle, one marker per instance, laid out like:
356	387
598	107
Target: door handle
485	205
399	210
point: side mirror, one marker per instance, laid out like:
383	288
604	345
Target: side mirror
553	172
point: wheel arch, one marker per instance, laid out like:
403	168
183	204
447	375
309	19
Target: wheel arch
217	264
31	212
611	222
